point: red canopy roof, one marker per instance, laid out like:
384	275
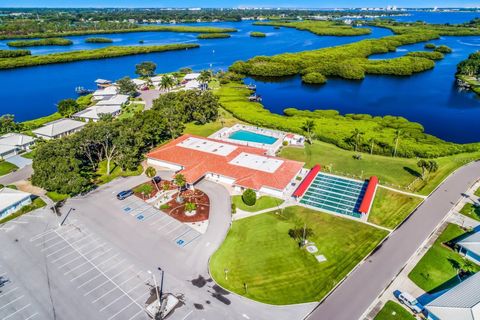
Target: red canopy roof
369	195
307	181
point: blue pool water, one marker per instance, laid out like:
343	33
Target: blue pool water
252	137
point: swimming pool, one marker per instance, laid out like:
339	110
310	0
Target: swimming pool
249	136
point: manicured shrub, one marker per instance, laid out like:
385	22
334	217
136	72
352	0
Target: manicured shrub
150	172
213	36
14	53
430	46
190	206
41	42
249	197
435	55
257	34
233	208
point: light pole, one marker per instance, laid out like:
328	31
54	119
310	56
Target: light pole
156	290
66	216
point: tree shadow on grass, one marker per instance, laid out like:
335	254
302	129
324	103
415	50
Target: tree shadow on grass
414	173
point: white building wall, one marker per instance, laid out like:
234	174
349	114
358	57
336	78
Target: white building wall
163	164
272	192
15	207
219	178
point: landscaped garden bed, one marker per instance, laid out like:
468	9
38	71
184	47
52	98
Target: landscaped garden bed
190	206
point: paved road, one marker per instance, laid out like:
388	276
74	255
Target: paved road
353	297
20	174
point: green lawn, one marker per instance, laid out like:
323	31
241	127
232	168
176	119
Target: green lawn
131	110
56	197
259	252
205	130
36	123
393	311
6	167
471	211
396	172
29	155
115	172
36	204
435	270
390	208
262	203
477	192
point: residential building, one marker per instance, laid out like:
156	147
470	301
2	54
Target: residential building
462	302
470	247
94	113
232	164
102	83
106	93
191	76
58	129
12	200
116	100
12	143
139	83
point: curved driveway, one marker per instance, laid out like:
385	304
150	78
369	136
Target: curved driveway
354	296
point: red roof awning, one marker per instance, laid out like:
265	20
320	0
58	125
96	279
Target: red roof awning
369	195
307	181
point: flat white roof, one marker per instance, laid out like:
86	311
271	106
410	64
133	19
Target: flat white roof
9	197
139	82
191	76
472	243
11	141
118	99
102	81
58	127
108	91
257	162
212	147
95	111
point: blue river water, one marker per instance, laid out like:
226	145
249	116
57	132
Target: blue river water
429	98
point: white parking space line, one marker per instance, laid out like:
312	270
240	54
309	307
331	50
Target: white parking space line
187	315
174	229
136	314
46	240
12	314
82	274
16	299
106	294
33	315
159	220
62	248
65	255
111	280
166	225
100	285
8	292
38	236
120	311
108	305
98	274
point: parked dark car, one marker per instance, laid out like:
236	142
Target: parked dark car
157	179
124	194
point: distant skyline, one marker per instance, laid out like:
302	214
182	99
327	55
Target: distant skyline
236	3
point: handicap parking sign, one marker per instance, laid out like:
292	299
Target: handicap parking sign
140	217
126	209
180	242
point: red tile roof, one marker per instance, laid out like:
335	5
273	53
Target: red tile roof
307	181
369	195
196	164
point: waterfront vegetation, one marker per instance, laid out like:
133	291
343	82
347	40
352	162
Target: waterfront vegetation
103	53
393	311
439	268
321	28
432	55
14	53
390	208
259	252
466	29
213	36
257	34
262	203
98	40
40	42
388	135
468	72
129	28
314	78
443	49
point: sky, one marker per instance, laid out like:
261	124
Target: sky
238	3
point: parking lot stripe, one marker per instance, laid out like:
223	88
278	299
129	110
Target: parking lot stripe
136	314
38	236
33	315
95	276
106	276
45	241
174	229
164	226
56	251
188	315
65	255
17	298
82	274
86	294
105	294
159	220
8	292
108	305
12	314
121	310
80	265
117	286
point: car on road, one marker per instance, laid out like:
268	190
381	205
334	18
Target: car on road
408	300
124	194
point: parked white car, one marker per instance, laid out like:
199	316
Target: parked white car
412	303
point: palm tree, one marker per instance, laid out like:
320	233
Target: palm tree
432	166
205	76
372	142
166	82
424	166
180	181
398	135
308	127
357	137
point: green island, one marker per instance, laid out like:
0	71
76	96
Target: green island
213	36
277	271
262	203
393	311
130	29
257	34
468	73
40	42
98	40
321	28
14	53
103	53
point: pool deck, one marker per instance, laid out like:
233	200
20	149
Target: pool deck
224	134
